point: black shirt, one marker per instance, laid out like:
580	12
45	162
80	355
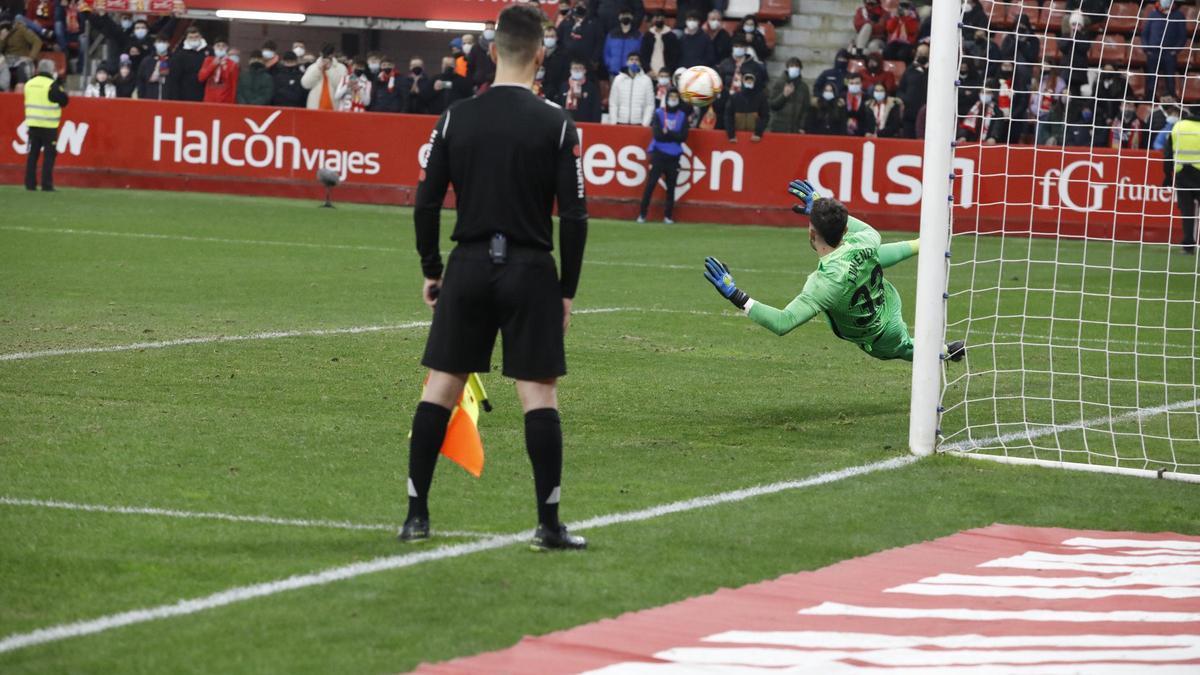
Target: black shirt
509	155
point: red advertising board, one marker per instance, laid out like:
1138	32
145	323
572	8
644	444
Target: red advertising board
445	10
260	150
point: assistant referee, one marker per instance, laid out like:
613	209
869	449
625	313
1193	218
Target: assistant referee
509	155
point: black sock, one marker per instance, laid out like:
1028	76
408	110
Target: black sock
543	442
428	432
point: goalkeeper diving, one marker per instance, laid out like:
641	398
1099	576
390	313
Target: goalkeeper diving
848	285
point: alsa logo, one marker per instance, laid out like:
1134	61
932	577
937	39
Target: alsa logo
71	136
904	171
256	149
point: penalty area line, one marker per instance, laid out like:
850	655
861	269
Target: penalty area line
331	575
228	517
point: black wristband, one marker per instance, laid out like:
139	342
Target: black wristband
739	298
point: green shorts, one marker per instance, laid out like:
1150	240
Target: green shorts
893	342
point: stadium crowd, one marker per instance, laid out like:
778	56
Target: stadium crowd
612	61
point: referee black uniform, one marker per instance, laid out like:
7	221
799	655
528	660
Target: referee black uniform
510	156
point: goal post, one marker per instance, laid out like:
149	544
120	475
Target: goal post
1054	246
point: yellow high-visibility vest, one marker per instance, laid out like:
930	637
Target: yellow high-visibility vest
40	111
1185	143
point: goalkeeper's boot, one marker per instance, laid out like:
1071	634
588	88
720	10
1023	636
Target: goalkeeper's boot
416	529
556	539
955	351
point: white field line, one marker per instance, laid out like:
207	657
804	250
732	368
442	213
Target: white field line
204	515
1075	340
1048	429
243	593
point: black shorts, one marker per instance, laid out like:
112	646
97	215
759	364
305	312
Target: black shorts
521	299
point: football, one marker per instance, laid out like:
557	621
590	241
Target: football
699	85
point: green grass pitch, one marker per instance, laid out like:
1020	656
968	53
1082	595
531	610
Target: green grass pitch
659	406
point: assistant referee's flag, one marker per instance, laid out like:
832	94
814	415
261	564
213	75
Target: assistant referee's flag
463	444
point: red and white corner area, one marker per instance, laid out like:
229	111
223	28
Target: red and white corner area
266	151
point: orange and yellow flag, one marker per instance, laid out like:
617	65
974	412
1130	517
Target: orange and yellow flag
463	444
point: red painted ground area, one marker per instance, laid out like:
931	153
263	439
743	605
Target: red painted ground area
1001	599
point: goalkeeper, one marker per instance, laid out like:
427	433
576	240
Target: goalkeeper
862	306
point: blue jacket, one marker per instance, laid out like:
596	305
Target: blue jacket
670	130
617	48
1165	31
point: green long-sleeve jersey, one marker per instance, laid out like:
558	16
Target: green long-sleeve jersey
848	286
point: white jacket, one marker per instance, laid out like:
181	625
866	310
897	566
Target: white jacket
311	80
631	99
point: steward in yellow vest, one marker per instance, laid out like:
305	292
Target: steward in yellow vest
44	101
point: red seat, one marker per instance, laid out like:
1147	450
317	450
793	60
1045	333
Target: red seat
1050	18
1112	49
1189	58
1122	18
1137	86
59	59
671	7
654	5
1000	14
895	68
1189	89
774	10
1137	57
1050	52
768	31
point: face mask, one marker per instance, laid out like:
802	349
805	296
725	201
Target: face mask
191	44
1172	119
672	103
873	65
1129	115
1086	115
664	81
102	77
658	23
748	28
549	42
581	11
220	53
268	54
577	75
1006	74
298	51
841	65
235	58
126	24
692	24
827	95
371	65
793	72
854	88
418	70
467	48
359	72
985	98
541	73
160	47
715	24
880	96
626	20
634	69
140	33
923	60
489	35
739	52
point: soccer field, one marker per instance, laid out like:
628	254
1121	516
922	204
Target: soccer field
276	378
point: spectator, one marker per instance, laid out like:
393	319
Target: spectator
669	129
874	74
631	100
322	79
1050	128
450	87
387	94
722	41
755	38
835	75
300	50
608	13
486	37
662	87
968	89
100	87
973	17
70	25
1171	114
183	74
354	92
582	37
20	46
288	92
418	88
564	13
1042	108
41	14
870	26
740	62
1022	47
1081	119
695	47
1163	34
981	52
621	42
914	87
983	122
660	45
220	73
1111	93
556	63
270	55
580	95
255	85
125	82
885	113
859	121
481	70
698	8
828	116
5	75
1074	46
1128	131
152	73
789	100
747	110
460	59
902	29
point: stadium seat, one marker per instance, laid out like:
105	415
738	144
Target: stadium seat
1189	59
774	10
59	59
1114	49
1137	85
654	5
895	68
1123	18
768	31
1189	89
1050	19
1137	57
1000	16
671	7
1050	52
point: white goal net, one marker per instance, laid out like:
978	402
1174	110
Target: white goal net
1067	276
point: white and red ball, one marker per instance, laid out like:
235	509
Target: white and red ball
699	85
